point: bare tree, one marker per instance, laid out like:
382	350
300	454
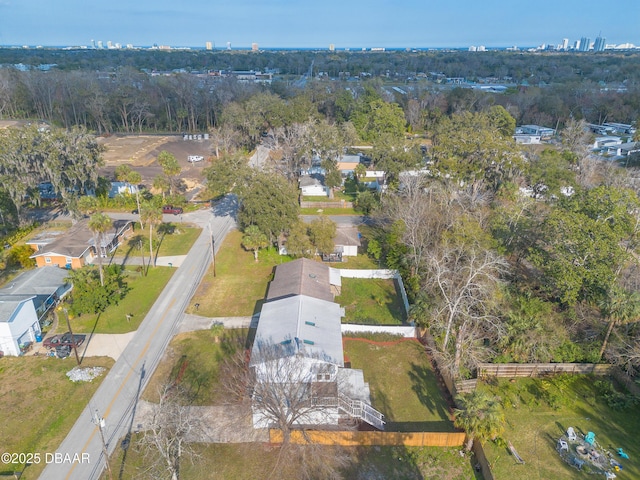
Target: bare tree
463	281
172	426
284	392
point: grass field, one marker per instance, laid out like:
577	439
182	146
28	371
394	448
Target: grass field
39	405
539	411
252	461
371	301
240	284
177	239
139	300
193	359
403	385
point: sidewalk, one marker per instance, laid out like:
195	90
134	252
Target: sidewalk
171	261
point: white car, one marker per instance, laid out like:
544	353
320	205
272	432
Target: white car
195	158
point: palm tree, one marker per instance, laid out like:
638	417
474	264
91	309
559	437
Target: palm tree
254	239
619	306
99	224
151	215
479	415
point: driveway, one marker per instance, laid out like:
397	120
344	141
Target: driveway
106	345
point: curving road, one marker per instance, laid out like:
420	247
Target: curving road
80	456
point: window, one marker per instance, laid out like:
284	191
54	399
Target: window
47	259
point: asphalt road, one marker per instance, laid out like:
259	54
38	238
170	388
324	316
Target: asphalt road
80	456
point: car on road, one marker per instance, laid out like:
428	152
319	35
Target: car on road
171	209
66	339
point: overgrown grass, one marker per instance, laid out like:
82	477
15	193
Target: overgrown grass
539	411
144	290
250	461
193	359
403	385
371	301
240	284
39	404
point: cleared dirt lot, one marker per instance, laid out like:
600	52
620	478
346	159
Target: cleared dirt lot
141	152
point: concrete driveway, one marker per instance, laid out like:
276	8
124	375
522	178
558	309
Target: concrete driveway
106	345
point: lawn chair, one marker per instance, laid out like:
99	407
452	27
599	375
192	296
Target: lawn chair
562	445
571	434
622	454
590	438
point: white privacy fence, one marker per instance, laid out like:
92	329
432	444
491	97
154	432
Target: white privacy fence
404	331
383	274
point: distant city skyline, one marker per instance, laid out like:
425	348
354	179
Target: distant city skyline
290	24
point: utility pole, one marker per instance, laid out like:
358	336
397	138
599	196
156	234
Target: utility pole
73	340
99	421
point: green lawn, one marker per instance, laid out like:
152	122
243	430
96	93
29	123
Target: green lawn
177	239
371	301
193	359
328	211
240	284
534	426
403	385
139	300
361	262
39	404
252	461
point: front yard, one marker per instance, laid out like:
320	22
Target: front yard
240	284
39	405
127	315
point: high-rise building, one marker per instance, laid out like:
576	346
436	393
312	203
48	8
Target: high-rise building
600	44
584	44
208	46
254	47
332	47
565	44
228	45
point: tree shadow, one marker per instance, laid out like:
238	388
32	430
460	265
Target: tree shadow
226	206
422	378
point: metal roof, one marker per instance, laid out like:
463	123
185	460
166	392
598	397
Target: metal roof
306	326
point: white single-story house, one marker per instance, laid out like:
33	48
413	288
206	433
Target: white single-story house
122	188
299	342
347	241
623	149
544	132
24	302
606	141
313	186
524	139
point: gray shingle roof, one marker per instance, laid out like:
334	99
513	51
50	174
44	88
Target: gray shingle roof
301	277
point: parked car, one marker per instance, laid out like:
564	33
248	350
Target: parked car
52	342
171	209
66	339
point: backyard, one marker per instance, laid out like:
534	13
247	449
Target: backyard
539	411
403	384
40	404
371	301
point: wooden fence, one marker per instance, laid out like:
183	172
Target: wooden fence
357	438
513	370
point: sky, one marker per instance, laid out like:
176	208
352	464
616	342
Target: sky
316	24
